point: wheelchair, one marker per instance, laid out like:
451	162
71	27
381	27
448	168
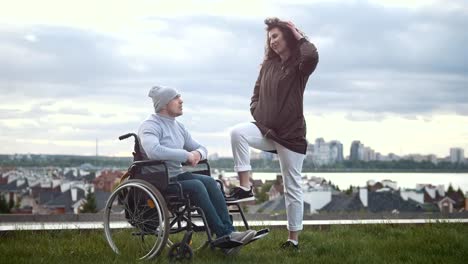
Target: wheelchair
145	208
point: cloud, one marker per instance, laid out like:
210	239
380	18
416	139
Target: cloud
388	92
71	75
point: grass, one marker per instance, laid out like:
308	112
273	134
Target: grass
430	243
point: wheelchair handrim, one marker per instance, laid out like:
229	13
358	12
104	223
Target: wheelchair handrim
107	220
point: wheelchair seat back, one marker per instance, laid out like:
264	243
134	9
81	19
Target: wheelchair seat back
136	200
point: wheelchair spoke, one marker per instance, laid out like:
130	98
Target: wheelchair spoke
144	208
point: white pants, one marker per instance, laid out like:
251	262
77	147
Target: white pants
248	134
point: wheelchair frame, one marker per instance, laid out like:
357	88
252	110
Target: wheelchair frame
144	202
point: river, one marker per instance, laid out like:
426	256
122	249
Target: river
403	180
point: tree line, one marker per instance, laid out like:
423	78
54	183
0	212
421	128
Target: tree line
228	164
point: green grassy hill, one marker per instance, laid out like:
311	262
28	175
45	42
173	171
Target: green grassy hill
430	243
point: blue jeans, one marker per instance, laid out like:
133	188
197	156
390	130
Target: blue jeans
204	192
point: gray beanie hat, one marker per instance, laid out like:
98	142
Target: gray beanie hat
162	96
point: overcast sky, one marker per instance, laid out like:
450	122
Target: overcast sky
392	74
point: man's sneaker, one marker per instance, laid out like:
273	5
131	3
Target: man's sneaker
242	237
240	195
288	245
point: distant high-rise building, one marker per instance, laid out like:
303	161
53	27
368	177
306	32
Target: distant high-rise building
356	150
379	156
420	158
361	152
457	155
337	150
368	154
323	153
393	156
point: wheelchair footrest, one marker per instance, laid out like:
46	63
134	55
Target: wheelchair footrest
199	228
225	242
260	234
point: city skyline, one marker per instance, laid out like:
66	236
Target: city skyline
347	152
390	74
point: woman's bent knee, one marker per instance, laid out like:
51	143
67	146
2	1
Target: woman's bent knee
236	134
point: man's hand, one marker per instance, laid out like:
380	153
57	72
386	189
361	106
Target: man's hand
197	157
194	158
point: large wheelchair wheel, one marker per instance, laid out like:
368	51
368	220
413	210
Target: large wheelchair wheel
136	220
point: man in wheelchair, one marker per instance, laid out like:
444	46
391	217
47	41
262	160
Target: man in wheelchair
164	138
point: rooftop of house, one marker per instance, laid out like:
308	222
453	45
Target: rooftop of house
392	200
278	204
344	202
65	199
110	175
14	186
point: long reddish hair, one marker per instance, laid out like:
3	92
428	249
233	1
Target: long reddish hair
291	41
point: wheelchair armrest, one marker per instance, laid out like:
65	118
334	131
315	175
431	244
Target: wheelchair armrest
144	163
200	162
203	167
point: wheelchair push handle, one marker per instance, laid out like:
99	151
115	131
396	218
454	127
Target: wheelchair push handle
137	154
127	136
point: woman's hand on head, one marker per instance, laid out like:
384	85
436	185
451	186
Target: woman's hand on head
294	30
